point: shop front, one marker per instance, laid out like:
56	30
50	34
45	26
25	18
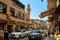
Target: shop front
3	24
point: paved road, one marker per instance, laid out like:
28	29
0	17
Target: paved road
26	38
49	38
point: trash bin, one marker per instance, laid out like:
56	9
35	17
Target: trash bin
5	35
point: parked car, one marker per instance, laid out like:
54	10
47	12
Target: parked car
26	32
43	33
18	34
29	31
35	35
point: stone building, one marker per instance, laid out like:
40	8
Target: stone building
13	15
35	23
53	13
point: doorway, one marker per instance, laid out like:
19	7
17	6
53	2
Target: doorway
10	28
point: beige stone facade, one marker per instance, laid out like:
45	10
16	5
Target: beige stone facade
53	17
35	24
14	15
52	4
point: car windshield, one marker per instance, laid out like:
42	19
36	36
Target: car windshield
36	31
22	30
42	32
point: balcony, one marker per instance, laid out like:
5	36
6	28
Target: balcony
16	19
19	3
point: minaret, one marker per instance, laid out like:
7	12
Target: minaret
28	10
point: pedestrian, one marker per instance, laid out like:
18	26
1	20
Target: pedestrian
49	33
41	37
46	33
5	35
1	33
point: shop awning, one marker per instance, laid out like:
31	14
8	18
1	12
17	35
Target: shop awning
48	12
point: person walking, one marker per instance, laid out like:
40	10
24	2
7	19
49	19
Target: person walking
49	34
1	33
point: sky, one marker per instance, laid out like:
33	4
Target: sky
36	8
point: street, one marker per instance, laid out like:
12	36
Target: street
49	38
26	38
29	19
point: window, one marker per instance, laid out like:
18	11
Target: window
19	14
12	11
3	8
23	16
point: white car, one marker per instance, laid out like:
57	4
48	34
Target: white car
17	34
43	33
28	32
